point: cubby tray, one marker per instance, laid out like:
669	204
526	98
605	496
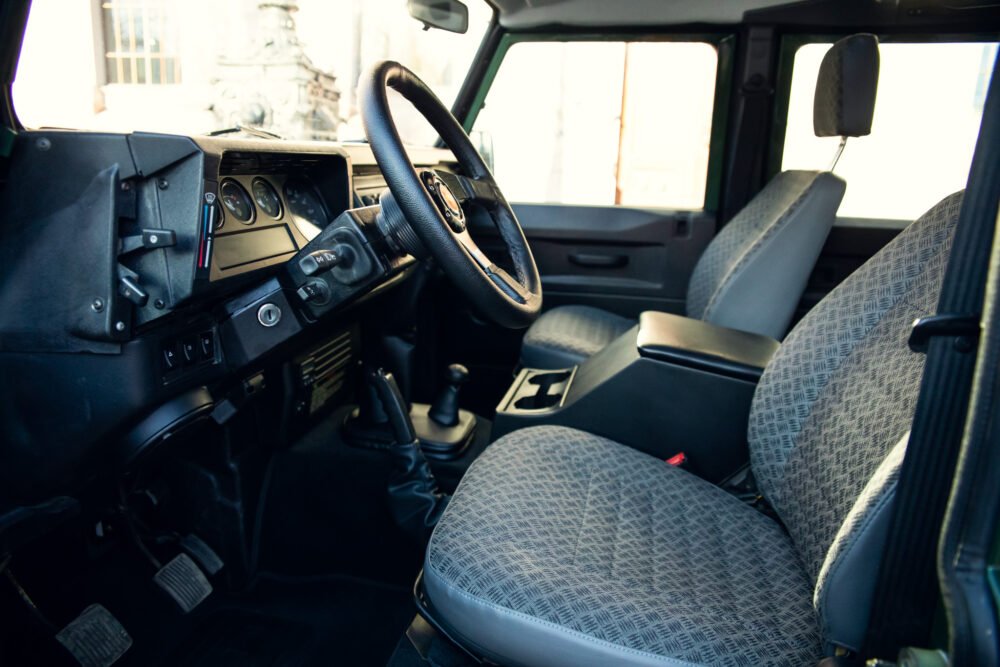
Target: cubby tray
537	390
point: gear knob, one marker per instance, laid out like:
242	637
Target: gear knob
457	375
444	411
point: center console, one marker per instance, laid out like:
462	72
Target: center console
670	385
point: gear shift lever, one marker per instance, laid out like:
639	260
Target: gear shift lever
415	501
445	431
444	410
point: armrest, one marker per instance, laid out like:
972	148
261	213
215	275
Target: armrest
702	346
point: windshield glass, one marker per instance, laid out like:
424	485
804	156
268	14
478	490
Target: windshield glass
192	67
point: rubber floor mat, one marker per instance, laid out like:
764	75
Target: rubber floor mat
296	622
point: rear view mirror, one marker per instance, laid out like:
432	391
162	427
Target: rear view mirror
450	15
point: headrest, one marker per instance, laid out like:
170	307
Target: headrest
845	88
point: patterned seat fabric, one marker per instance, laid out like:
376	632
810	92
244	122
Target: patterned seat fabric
745	241
603	540
561	547
567	335
840	394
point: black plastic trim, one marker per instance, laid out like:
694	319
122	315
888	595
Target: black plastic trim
702	346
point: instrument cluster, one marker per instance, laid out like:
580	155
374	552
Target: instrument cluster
260	200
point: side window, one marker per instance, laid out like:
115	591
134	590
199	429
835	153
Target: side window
603	123
927	113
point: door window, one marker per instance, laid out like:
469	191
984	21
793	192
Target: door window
603	123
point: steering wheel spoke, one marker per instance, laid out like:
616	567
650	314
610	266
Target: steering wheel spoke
503	280
508	284
480	191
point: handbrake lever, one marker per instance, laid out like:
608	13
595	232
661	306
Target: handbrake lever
415	501
394	406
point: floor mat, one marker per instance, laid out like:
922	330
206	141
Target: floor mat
284	621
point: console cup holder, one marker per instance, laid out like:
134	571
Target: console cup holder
539	401
549	379
538	390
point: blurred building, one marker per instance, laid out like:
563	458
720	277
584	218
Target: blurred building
276	86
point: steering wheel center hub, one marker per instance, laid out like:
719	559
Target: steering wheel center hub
446	201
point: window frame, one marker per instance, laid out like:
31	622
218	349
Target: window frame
788	46
725	48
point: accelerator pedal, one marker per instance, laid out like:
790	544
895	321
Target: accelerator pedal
201	552
184	581
95	638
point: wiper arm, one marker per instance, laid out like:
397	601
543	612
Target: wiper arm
246	129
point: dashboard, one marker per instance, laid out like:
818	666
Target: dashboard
139	269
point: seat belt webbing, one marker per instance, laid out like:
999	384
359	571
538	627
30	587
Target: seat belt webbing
906	590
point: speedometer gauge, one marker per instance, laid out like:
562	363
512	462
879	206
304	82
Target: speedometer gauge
237	201
266	197
306	207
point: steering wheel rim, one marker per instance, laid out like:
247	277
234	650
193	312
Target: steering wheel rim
511	301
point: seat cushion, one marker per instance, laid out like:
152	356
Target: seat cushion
567	335
564	548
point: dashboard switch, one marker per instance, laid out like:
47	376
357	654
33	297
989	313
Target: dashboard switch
321	260
206	341
170	360
315	291
189	348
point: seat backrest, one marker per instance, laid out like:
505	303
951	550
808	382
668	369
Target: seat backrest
754	271
830	417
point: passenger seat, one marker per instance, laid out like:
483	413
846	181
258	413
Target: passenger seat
753	273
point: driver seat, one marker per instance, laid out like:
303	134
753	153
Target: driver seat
564	548
753	273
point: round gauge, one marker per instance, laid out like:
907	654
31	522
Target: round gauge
237	201
305	206
220	217
266	197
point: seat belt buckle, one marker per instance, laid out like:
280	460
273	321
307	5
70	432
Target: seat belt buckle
965	328
678	460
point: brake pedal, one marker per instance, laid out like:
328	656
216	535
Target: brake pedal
184	581
95	638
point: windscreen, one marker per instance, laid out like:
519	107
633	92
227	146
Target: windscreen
192	67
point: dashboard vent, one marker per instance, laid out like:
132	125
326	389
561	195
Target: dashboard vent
325	370
240	163
366	170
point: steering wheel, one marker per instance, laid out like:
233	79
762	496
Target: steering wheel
432	201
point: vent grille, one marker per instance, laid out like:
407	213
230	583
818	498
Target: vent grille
324	370
362	170
240	163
